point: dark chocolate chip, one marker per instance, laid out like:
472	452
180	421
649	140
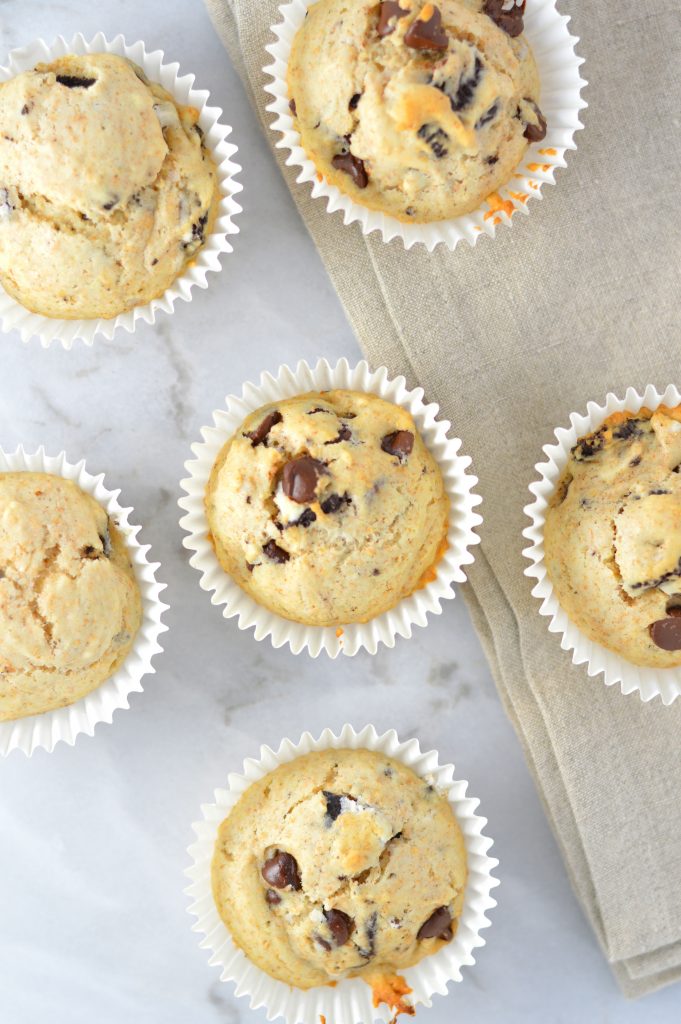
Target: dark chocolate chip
111	203
277	554
258	435
510	20
334	502
340	926
75	82
427	34
306	519
250	566
536	132
400	443
666	633
281	871
272	898
436	139
299	479
333	805
25	109
353	166
388	10
292	107
354	100
487	117
462	96
438	925
344	434
491	160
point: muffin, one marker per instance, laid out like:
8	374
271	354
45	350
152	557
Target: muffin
69	602
612	537
341	863
106	187
327	508
417	110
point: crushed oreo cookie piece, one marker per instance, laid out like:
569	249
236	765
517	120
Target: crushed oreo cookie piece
436	139
75	82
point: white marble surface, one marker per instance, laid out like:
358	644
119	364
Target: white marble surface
93	926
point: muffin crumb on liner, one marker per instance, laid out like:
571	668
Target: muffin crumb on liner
45	730
410	611
648	682
350	1000
14	316
561	102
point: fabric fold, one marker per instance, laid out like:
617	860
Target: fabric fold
509	337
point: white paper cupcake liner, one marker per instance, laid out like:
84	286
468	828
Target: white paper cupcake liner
561	85
350	1001
412	610
13	315
648	682
46	730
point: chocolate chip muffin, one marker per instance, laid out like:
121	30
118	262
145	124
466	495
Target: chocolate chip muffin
415	109
69	602
612	538
106	187
340	863
327	508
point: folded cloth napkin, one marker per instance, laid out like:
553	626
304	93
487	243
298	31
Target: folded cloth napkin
578	299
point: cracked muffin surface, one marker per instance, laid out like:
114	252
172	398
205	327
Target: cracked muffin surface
612	536
327	508
70	606
415	109
106	188
340	863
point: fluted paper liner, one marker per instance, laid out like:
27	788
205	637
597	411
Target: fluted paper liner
648	682
560	100
350	1001
46	730
412	610
13	315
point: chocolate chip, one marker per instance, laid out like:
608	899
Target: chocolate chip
436	139
333	805
277	554
344	434
438	925
250	566
666	633
340	926
386	12
462	96
535	132
272	898
636	461
354	100
334	502
25	109
74	82
306	519
299	479
491	160
400	443
281	871
292	107
111	203
427	34
487	117
509	19
353	166
258	435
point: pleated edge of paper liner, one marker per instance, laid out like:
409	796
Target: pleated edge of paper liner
412	610
561	102
44	731
350	1001
647	682
14	316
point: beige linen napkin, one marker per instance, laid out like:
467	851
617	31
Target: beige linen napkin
580	298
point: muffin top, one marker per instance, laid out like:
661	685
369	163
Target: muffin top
415	109
106	188
327	508
612	537
69	602
340	863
